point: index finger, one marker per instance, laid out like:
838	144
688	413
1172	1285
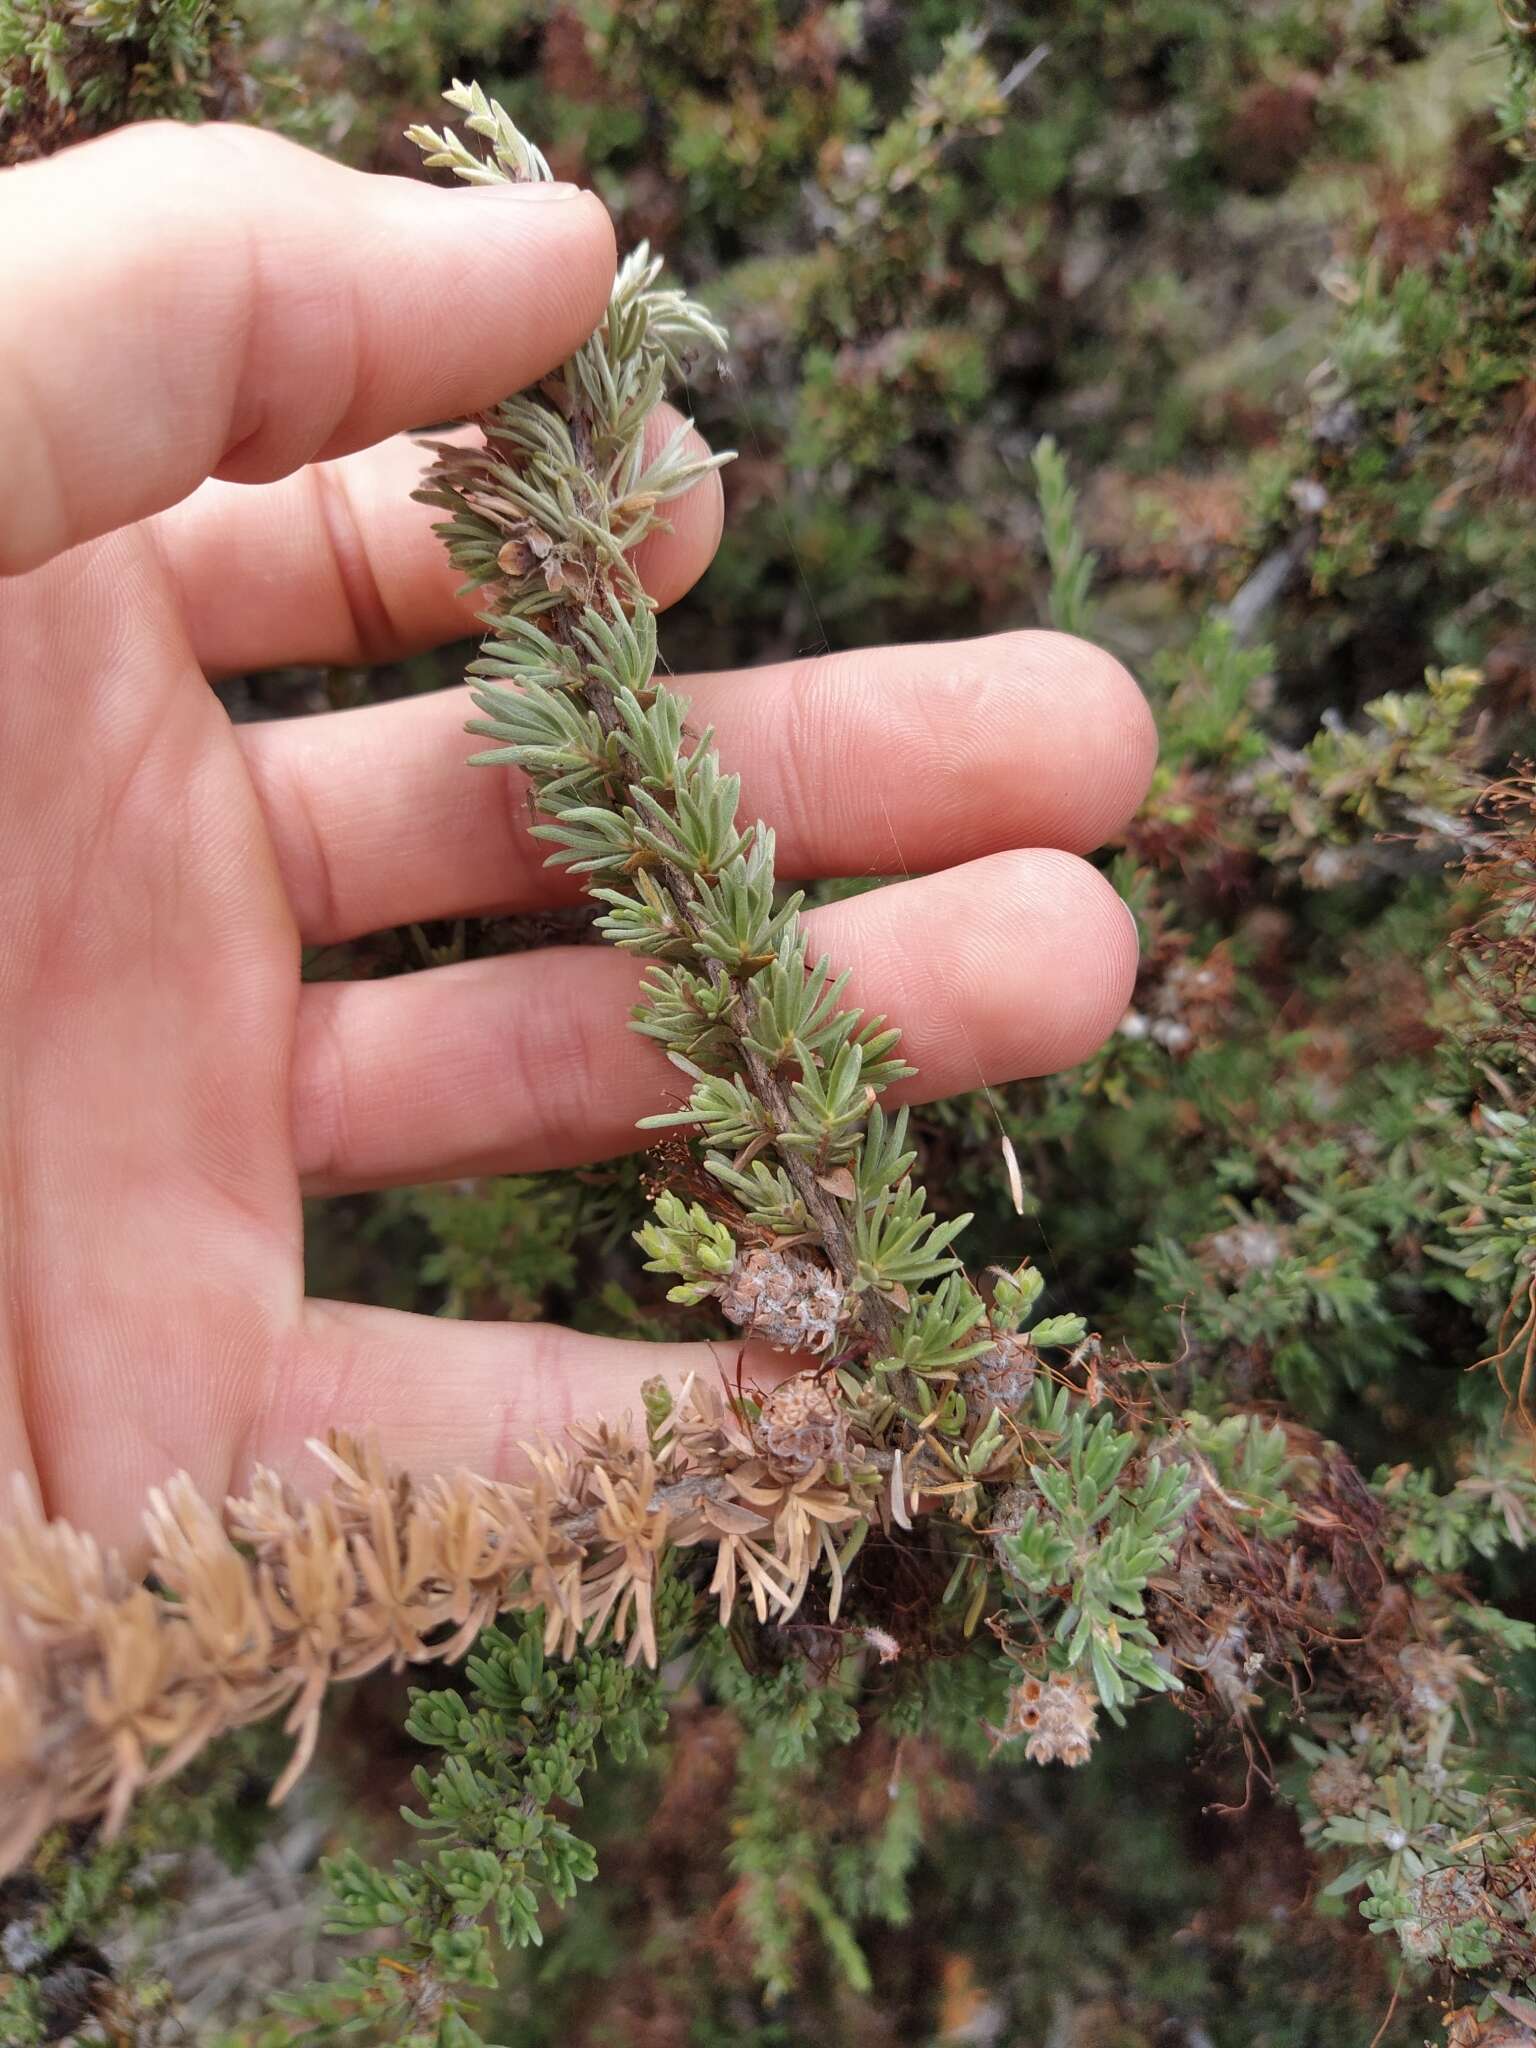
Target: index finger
215	301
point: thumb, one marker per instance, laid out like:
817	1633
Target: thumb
192	302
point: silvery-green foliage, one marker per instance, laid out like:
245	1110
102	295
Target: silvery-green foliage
783	1077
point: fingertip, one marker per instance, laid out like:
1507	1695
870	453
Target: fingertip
566	222
1077	923
1106	738
671	560
457	297
550	254
1015	965
1040	961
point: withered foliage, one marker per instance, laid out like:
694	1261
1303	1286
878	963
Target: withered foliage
108	1685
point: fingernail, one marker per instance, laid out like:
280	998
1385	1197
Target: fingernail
1135	926
530	193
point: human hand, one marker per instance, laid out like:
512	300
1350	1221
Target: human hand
208	335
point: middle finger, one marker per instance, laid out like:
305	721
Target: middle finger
888	761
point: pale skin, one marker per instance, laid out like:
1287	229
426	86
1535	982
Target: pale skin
211	347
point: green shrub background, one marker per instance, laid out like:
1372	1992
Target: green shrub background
1265	275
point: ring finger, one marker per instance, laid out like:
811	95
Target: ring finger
1013	965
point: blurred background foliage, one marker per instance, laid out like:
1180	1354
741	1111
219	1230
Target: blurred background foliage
1264	275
